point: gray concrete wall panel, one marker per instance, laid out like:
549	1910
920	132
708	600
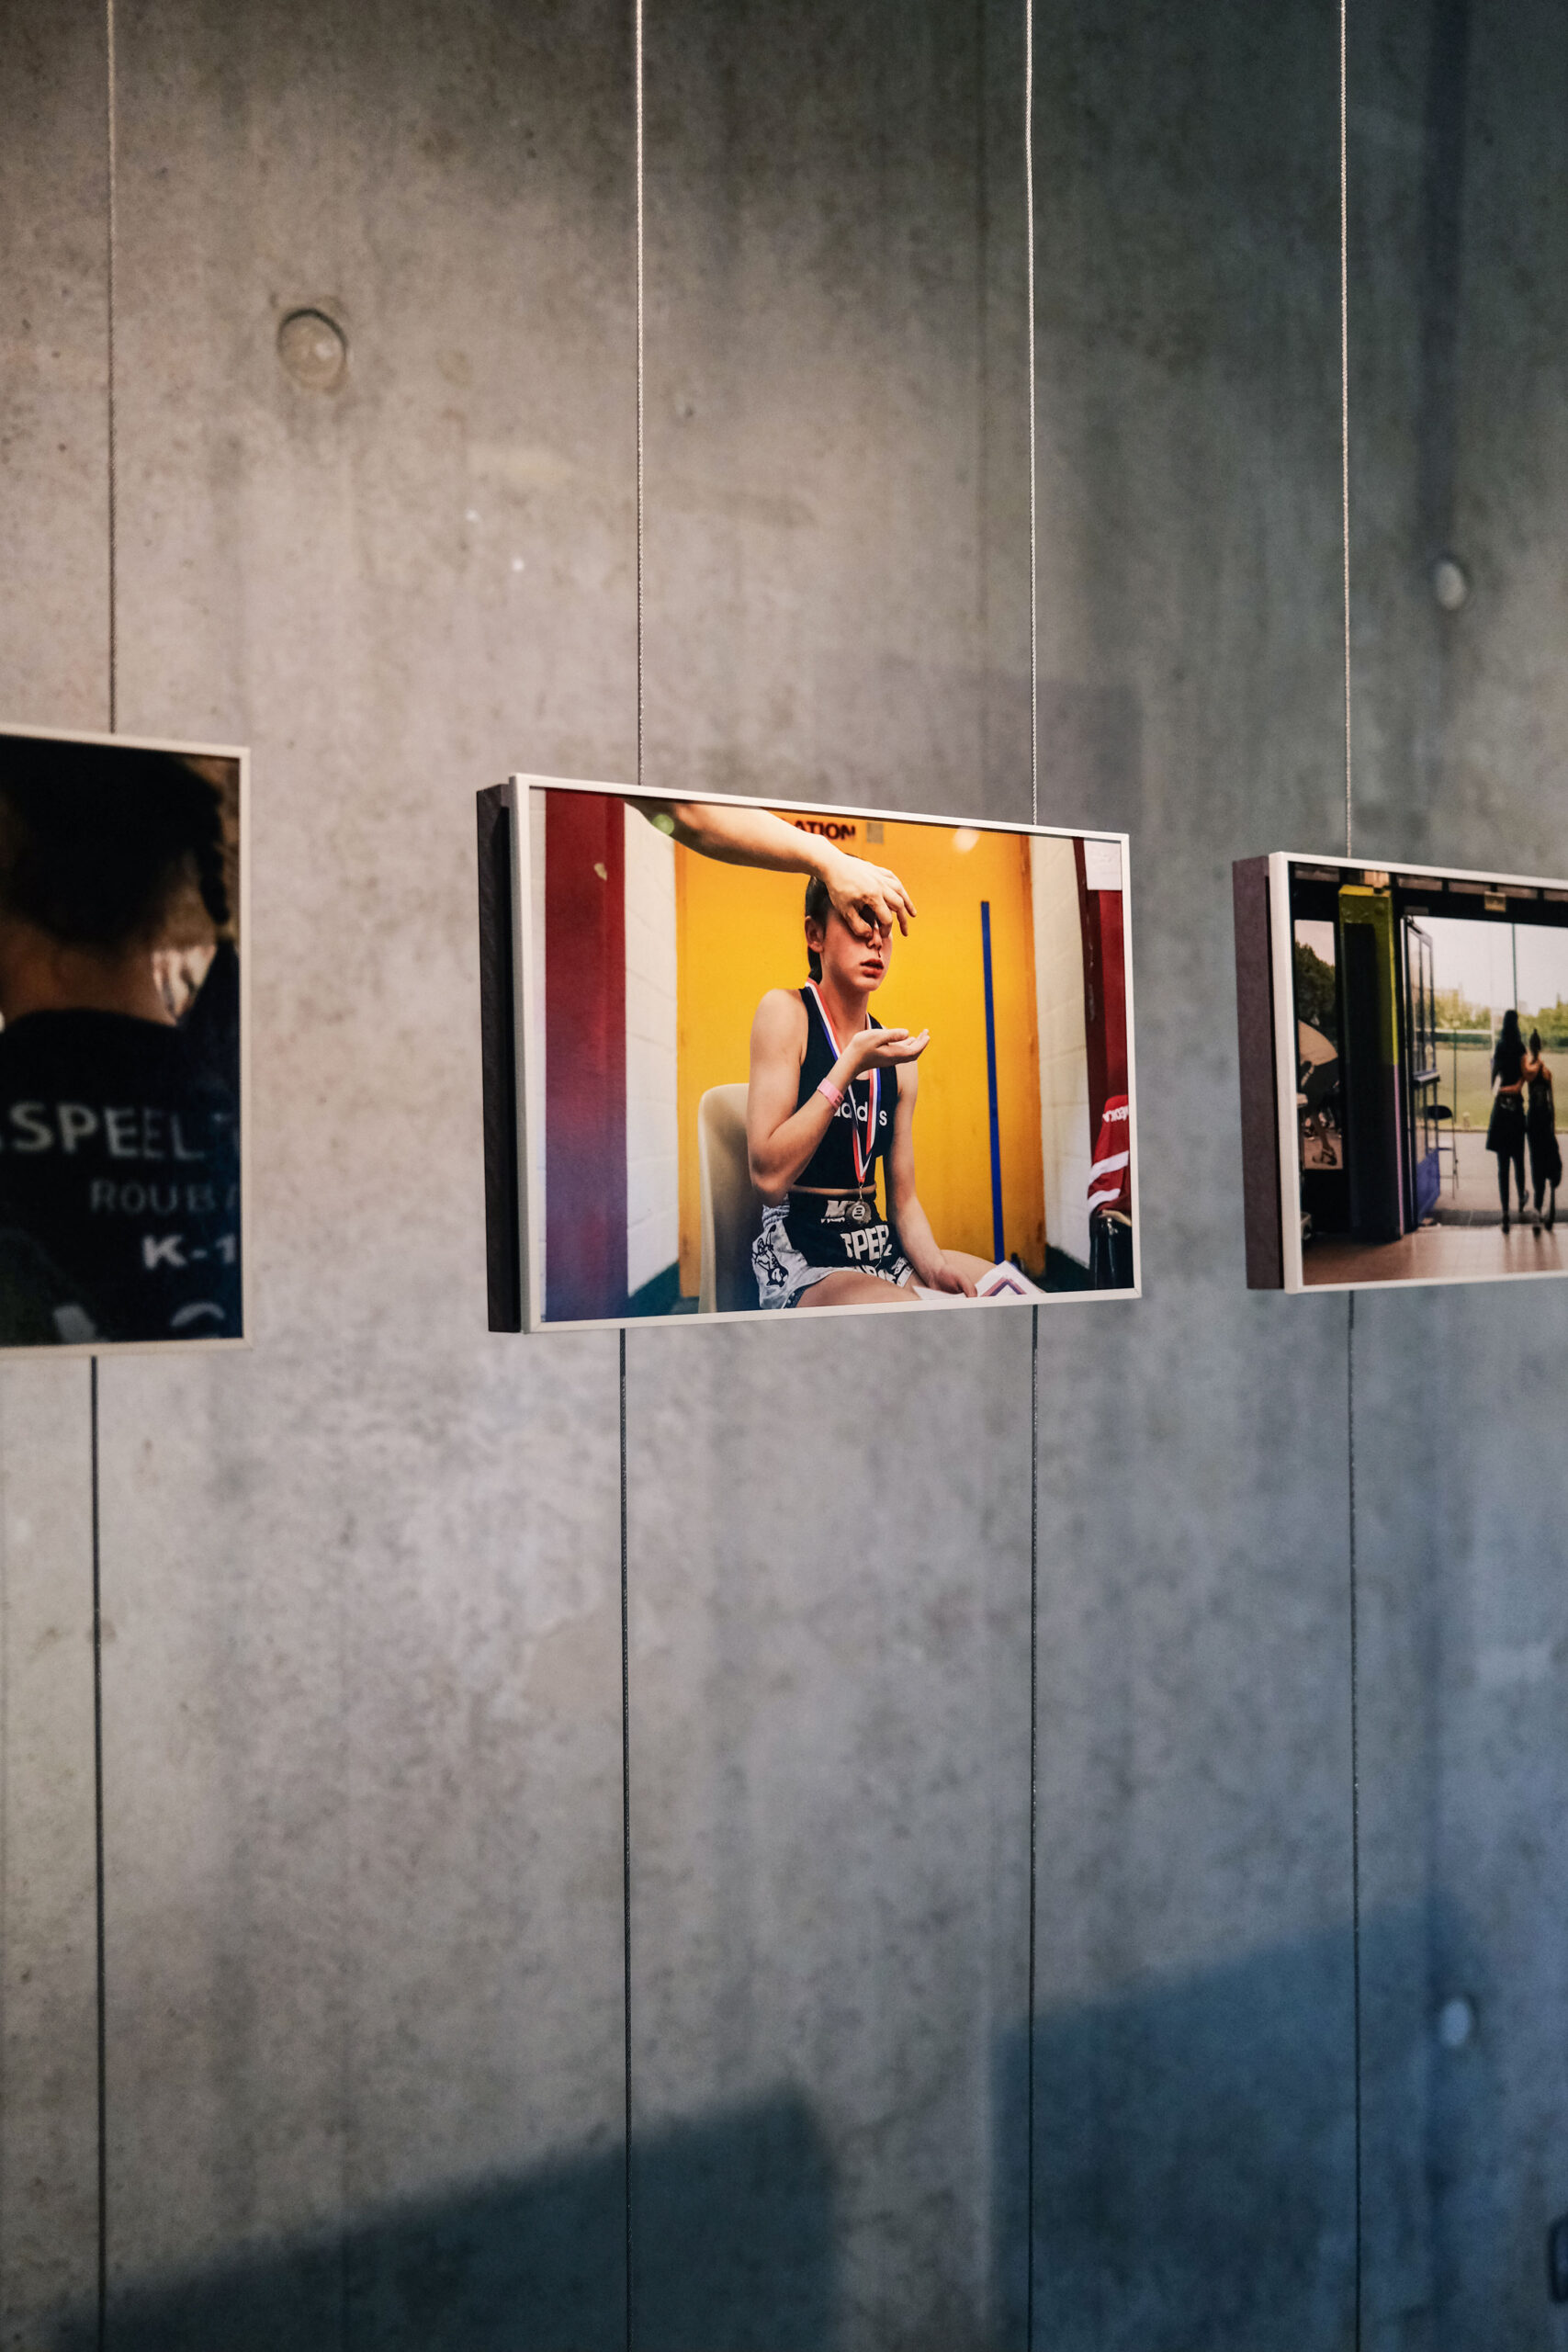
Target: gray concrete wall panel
362	1722
363	1749
54	668
1456	318
49	2146
364	1933
836	412
53	189
1195	2115
830	1794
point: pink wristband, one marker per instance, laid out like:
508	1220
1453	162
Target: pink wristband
835	1094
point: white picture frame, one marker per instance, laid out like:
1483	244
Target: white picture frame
527	1028
239	755
1404	880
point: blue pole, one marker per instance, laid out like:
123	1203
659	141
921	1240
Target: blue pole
991	1084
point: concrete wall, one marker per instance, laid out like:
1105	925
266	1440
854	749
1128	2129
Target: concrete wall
363	1795
1460	230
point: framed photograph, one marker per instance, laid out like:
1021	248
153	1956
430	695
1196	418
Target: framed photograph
1401	1030
124	1095
751	1058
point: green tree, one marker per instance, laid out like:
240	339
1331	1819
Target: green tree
1454	1011
1316	992
1552	1023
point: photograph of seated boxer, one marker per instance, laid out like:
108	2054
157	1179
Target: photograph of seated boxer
120	1045
714	1121
832	1093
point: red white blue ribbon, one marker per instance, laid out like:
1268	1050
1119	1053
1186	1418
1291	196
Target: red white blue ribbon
866	1160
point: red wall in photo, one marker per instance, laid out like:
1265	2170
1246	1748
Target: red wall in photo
585	1056
1105	1014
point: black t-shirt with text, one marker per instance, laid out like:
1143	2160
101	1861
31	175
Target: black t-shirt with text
120	1180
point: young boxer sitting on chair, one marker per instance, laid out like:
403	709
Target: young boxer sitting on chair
833	1092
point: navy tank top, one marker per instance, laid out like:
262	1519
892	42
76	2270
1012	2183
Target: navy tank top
870	1104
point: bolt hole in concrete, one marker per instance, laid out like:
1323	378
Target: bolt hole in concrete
1450	583
313	350
1456	2022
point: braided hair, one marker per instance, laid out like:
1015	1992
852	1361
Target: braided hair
98	841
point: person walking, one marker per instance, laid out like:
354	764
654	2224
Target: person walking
1505	1129
1540	1129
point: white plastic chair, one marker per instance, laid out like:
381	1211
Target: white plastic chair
732	1209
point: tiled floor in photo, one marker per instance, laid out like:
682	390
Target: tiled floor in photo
1439	1253
1466	1244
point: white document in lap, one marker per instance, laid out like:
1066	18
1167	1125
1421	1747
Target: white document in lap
996	1283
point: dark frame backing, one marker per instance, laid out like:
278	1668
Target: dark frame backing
1255	1038
498	1050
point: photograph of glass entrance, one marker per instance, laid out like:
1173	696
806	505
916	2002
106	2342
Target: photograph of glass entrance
1421	1029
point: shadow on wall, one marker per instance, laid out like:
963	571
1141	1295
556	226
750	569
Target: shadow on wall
1195	2155
1194	2187
735	2248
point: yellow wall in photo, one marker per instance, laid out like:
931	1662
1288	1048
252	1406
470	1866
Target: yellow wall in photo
739	934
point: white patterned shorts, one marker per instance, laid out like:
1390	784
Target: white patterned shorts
785	1273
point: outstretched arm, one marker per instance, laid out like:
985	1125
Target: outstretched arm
868	897
931	1267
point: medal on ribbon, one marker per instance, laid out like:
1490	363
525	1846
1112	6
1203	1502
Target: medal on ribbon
865	1154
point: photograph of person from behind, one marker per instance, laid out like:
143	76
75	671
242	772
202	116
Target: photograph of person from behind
119	1043
1541	1131
832	1093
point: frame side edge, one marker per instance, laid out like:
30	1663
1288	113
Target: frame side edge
503	1267
1255	1038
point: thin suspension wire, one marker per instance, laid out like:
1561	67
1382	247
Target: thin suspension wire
1345	407
640	321
637	100
111	159
1029	304
111	146
1033	1803
98	1879
625	1854
1351	1315
1034	1313
1355	1787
